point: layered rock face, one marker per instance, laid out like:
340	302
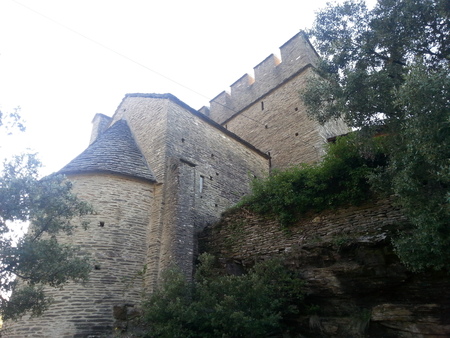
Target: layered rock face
356	285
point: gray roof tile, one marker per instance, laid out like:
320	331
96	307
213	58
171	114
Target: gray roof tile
114	151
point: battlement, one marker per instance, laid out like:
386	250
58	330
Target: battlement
296	54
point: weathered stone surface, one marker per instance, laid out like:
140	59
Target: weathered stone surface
412	320
352	273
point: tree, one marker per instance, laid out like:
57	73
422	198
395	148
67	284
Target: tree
386	71
35	259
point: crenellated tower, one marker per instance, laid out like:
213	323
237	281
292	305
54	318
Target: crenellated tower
266	110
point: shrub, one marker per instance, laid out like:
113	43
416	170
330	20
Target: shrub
217	305
340	179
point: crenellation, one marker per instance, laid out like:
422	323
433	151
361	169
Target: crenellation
266	67
204	110
242	84
296	54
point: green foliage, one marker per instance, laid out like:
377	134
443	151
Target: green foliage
419	170
389	67
217	305
30	261
340	179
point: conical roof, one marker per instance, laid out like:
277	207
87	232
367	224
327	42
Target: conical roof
114	151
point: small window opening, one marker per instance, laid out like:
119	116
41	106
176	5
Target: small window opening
296	134
200	185
262	105
102	224
182	140
97	267
210	177
216	205
212	155
296	109
266	126
217	174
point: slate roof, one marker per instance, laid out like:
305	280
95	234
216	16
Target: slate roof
114	151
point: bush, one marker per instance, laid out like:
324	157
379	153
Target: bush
217	305
340	179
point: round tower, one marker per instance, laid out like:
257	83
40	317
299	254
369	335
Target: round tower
113	176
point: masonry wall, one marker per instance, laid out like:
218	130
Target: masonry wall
213	171
116	241
225	164
277	124
247	237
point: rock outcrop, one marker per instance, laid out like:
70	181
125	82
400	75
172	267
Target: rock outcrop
356	285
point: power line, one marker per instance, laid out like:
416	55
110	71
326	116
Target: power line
109	49
130	59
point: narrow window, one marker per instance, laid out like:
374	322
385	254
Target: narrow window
262	105
200	186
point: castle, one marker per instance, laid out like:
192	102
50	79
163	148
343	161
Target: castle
158	171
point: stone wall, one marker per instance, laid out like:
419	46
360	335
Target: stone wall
278	125
248	237
116	241
212	171
354	281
